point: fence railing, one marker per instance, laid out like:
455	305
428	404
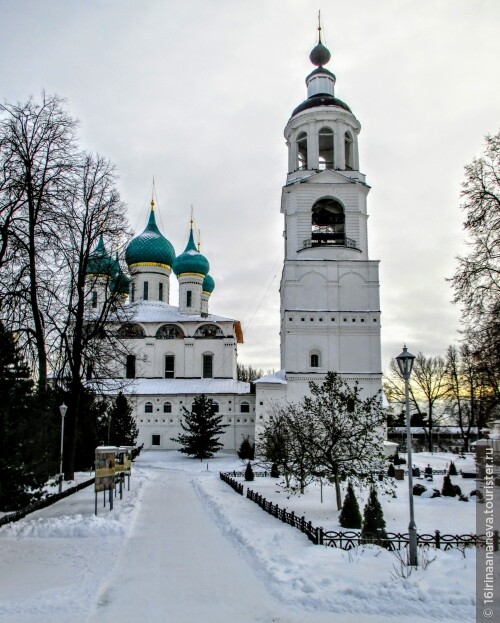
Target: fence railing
50	499
349	539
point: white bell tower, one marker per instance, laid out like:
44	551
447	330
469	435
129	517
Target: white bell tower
330	306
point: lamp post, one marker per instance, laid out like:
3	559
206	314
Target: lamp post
63	408
405	363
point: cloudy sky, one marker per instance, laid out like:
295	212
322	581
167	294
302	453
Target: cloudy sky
197	93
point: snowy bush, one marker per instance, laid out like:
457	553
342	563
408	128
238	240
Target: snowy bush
418	489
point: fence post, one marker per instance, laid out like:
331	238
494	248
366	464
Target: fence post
302	523
291	521
319	536
495	540
438	540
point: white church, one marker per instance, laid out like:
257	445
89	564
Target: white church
330	306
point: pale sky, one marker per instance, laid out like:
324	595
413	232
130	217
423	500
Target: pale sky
197	93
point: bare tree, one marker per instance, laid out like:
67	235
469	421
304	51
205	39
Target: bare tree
428	389
37	161
476	281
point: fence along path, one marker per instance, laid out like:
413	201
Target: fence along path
349	539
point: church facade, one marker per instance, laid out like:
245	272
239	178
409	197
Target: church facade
330	307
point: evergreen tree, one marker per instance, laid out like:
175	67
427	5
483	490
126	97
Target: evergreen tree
452	469
275	472
350	517
203	429
247	449
118	427
373	530
448	489
25	430
249	475
391	472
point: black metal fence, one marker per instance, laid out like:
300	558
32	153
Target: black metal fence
50	499
349	539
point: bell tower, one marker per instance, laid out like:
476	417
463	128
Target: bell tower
330	306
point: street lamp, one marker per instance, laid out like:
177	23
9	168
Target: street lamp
405	363
63	408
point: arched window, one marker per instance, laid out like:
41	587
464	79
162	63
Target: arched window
215	407
131	331
169	332
130	367
169	366
208	366
148	407
245	407
208	331
145	294
160	291
94	298
315	358
328	223
348	149
167	407
302	151
325	142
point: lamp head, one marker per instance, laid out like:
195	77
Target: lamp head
405	362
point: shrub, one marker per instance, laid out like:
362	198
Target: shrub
373	530
463	498
478	494
457	490
418	489
247	449
350	517
249	476
436	493
275	472
452	470
390	471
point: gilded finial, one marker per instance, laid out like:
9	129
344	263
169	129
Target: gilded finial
152	204
199	241
319	26
192	219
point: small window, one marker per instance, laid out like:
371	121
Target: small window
189	298
169	366
132	292
290	319
160	291
146	291
215	407
148	408
167	407
94	298
130	367
321	319
314	361
374	320
302	319
311	319
349	165
245	407
302	151
155	440
208	366
354	319
362	319
333	319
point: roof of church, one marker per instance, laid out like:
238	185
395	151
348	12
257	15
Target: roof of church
276	378
100	262
156	311
150	247
320	99
166	387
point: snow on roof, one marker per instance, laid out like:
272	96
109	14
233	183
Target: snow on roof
419	430
152	387
155	311
278	377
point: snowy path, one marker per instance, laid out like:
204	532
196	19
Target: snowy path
178	568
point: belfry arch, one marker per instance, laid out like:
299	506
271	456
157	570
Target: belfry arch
327	222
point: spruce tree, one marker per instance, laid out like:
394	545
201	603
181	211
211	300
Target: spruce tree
120	424
247	449
391	471
373	530
25	431
452	469
448	489
350	517
203	429
249	475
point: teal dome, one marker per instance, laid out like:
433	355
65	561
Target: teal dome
208	284
191	260
120	284
100	263
150	248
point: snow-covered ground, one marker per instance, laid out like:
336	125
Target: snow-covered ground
183	547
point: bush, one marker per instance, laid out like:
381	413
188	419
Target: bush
478	494
350	517
373	530
463	498
457	489
418	489
275	472
247	449
436	493
448	489
249	476
390	471
452	470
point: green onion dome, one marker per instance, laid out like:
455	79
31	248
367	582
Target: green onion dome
150	248
208	284
120	284
191	260
100	263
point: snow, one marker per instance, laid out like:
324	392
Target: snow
153	387
182	546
